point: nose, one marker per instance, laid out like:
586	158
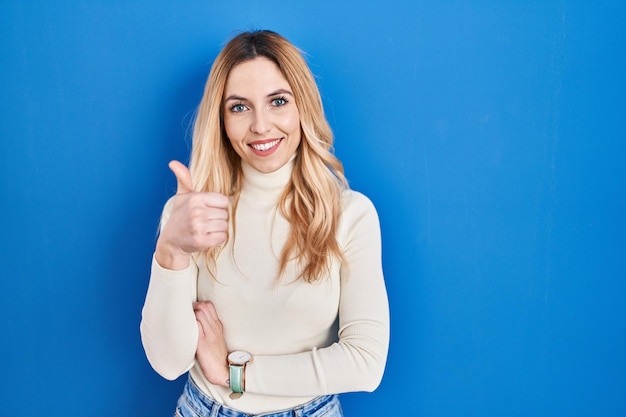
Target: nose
260	122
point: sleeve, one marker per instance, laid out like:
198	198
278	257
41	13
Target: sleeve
357	361
169	331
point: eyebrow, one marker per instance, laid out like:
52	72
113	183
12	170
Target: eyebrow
275	93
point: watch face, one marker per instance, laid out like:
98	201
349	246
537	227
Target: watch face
239	357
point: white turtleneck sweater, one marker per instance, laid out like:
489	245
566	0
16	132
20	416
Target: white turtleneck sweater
307	340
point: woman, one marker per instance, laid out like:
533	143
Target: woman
266	281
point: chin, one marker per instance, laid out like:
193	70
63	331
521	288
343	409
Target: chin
269	167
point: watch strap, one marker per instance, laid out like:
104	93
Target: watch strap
236	378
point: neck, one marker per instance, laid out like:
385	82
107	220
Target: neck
265	187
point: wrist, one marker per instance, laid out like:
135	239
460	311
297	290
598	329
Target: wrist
169	257
226	378
237	363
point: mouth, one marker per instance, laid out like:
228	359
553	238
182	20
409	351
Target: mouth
265	146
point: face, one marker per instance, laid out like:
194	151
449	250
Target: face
260	115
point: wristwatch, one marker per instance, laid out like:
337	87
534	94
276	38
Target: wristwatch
237	361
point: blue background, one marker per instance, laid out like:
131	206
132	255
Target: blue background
490	135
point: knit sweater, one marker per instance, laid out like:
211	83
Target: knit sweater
306	339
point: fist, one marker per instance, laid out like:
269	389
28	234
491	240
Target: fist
198	221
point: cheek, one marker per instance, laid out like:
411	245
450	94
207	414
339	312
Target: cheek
233	129
233	135
233	144
292	122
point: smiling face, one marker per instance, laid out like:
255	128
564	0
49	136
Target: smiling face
260	115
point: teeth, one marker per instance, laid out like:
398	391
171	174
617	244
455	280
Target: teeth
265	146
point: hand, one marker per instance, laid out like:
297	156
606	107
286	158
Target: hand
197	222
211	352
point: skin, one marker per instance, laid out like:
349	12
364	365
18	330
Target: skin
262	123
211	352
197	221
260	111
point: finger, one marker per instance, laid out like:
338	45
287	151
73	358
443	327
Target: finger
216	213
215	226
205	325
214	238
201	333
183	177
216	200
211	310
207	309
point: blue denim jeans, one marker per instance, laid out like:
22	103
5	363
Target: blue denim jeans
194	403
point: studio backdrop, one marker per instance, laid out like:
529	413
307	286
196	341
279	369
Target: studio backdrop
489	135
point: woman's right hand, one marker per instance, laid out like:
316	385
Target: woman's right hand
197	222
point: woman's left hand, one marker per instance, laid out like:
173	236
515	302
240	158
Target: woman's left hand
211	352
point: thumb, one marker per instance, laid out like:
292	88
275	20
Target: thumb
183	176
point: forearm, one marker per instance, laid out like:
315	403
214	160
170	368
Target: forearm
169	330
355	363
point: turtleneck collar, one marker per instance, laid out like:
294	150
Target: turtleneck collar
265	187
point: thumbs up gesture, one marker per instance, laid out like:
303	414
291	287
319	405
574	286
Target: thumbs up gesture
197	222
183	177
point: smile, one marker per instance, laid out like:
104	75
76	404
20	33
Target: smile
264	147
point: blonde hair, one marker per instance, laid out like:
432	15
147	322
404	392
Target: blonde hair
311	201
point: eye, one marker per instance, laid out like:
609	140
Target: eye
238	108
279	101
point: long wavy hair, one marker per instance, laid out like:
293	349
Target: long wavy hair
311	201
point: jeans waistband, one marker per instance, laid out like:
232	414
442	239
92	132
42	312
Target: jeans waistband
208	405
